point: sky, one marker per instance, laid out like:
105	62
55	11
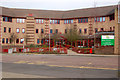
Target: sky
56	4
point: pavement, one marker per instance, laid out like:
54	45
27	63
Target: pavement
70	53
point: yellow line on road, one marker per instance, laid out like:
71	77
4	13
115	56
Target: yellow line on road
83	67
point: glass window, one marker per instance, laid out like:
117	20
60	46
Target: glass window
36	20
51	31
42	21
95	19
6	19
36	30
71	21
102	29
23	30
4	29
85	31
3	40
80	30
86	19
9	30
81	20
21	40
42	31
65	30
6	40
100	19
38	41
53	21
17	30
58	21
17	40
67	21
20	20
96	30
56	31
103	19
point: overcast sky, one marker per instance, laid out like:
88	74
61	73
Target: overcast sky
56	4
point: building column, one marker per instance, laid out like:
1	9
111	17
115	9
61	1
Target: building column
117	34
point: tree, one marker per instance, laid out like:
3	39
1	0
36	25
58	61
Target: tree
13	37
72	34
55	37
41	36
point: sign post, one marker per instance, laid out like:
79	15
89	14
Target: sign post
107	40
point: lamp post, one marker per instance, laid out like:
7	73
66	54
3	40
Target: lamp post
49	35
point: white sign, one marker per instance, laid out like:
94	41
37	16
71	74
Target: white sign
107	36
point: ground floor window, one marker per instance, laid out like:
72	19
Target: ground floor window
6	40
17	40
3	40
38	41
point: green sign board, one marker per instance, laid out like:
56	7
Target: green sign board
107	40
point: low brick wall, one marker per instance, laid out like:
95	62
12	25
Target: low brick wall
105	50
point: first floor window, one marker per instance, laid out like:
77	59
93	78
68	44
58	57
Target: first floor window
17	40
56	31
36	30
23	30
42	31
17	30
6	40
3	40
80	30
9	30
21	40
85	31
4	29
38	41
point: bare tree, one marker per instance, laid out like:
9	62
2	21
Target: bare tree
72	34
41	36
12	38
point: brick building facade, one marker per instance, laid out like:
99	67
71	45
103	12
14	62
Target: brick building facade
34	24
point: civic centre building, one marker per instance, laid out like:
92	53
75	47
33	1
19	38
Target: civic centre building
37	24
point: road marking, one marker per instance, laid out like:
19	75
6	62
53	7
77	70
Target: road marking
40	62
19	62
29	62
83	67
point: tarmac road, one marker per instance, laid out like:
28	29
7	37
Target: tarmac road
56	66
